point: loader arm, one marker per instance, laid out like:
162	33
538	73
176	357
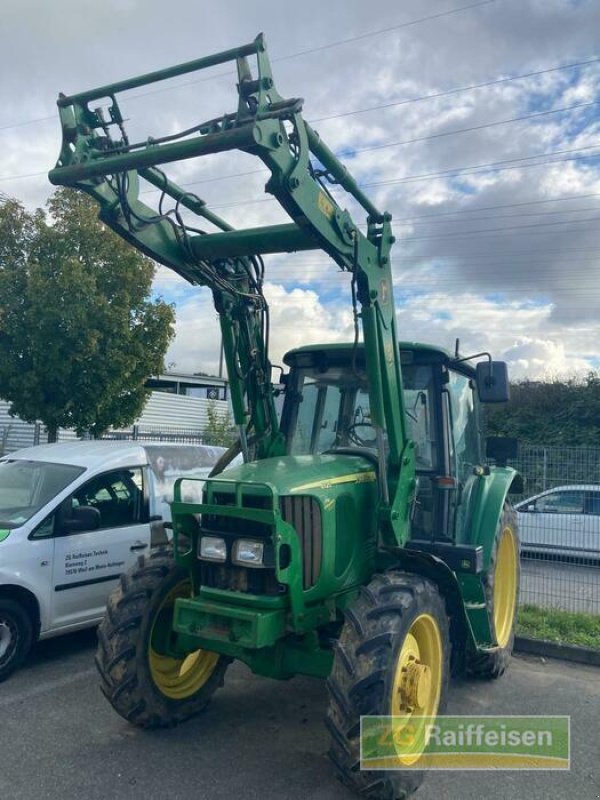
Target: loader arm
98	158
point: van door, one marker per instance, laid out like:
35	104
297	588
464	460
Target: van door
87	564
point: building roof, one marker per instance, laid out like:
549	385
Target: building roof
186	377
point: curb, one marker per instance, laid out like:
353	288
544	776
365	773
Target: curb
566	652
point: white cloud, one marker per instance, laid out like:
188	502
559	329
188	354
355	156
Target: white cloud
298	317
543	359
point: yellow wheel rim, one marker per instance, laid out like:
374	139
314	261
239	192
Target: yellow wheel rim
505	586
417	687
179	678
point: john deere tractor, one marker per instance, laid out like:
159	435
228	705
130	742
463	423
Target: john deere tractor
363	539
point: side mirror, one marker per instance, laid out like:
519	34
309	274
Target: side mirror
531	507
492	381
501	448
83	518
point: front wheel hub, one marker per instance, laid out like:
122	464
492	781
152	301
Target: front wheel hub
416	687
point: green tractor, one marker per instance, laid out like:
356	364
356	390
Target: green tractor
363	539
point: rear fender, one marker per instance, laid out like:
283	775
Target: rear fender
483	501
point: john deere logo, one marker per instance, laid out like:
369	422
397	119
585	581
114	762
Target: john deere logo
384	293
325	205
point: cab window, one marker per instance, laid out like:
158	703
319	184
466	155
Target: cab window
464	438
333	411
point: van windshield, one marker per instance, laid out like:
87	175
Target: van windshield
26	486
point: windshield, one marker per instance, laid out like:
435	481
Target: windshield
333	411
26	486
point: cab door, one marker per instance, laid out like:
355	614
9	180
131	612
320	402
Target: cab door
87	563
462	440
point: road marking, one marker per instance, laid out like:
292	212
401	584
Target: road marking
48	686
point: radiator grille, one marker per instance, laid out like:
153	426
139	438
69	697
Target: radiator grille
304	514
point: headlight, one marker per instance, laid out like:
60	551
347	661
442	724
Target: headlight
212	548
248	553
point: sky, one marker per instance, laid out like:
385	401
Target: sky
475	123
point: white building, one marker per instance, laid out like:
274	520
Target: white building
177	406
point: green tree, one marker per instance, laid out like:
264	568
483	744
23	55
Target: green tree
219	430
79	334
561	411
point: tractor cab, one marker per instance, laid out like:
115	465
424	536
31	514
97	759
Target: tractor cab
327	411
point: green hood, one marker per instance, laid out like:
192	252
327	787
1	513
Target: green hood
304	474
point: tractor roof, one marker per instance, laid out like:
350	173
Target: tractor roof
410	351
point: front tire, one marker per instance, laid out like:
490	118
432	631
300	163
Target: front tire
501	586
16	636
392	658
144	682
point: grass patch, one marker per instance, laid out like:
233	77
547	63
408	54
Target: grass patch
564	627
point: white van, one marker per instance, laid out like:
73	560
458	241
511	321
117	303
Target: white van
73	517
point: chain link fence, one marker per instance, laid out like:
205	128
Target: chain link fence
559	523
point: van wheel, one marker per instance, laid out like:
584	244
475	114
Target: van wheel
16	636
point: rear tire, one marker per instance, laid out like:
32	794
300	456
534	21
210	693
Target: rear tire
16	636
144	684
399	620
501	586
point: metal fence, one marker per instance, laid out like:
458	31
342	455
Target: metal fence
559	522
138	433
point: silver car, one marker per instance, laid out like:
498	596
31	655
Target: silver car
564	521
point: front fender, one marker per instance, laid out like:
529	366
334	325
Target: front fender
482	503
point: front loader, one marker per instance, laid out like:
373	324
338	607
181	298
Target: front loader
363	539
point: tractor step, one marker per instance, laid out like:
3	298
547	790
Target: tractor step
459	557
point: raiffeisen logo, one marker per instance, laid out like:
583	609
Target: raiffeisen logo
465	742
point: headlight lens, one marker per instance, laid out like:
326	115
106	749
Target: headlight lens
248	553
212	548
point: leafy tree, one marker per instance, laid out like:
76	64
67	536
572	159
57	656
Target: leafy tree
563	412
219	430
79	334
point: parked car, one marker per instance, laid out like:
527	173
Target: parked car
564	521
73	517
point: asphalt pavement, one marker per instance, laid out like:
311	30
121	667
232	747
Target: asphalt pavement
259	738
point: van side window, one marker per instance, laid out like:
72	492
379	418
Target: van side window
45	529
117	495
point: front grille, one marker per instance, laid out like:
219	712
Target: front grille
217	524
304	514
240	579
